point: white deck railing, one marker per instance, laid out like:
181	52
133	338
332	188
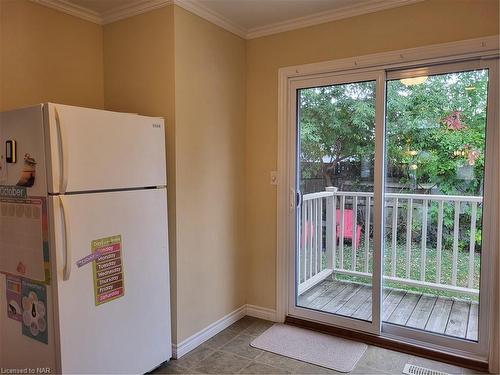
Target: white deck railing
321	253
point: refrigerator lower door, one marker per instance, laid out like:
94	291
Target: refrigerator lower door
113	302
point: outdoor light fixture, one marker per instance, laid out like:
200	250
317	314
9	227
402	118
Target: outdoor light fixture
459	153
413	80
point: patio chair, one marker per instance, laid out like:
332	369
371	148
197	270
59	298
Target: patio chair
348	225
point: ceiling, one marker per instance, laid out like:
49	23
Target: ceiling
247	18
102	6
251	14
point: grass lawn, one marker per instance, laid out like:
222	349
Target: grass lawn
430	269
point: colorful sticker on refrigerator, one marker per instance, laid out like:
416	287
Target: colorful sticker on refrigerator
13	294
34	303
28	173
87	259
108	269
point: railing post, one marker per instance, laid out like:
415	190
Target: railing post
331	242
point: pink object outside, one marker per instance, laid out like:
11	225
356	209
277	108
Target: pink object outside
348	225
308	231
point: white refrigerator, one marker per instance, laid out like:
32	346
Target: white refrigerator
84	273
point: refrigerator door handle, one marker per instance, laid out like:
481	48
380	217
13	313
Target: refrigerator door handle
67	240
63	184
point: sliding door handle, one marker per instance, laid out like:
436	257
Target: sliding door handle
298	202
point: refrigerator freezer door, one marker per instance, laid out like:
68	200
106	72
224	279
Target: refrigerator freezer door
23	187
114	311
93	150
22	136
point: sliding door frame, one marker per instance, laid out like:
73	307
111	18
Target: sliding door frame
483	48
299	83
422	337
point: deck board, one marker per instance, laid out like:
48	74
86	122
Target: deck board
340	299
439	316
364	311
435	314
355	301
313	293
457	323
404	309
326	296
420	315
472	324
391	302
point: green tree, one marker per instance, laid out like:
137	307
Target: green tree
336	124
435	129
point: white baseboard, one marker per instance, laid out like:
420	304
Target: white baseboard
178	350
261	312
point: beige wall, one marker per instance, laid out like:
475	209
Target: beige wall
429	22
218	94
139	78
210	121
46	55
149	60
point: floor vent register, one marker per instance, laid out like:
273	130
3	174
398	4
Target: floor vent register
418	370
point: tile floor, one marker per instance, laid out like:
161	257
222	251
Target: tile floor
230	352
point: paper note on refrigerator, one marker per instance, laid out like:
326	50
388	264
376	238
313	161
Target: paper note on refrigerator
23	242
108	269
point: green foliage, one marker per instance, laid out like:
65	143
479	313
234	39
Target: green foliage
337	125
435	140
418	135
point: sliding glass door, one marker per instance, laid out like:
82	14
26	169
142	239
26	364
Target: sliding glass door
335	228
434	249
391	213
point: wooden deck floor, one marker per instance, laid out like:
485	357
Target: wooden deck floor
435	314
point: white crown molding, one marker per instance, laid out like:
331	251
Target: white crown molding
72	9
326	16
198	8
130	10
